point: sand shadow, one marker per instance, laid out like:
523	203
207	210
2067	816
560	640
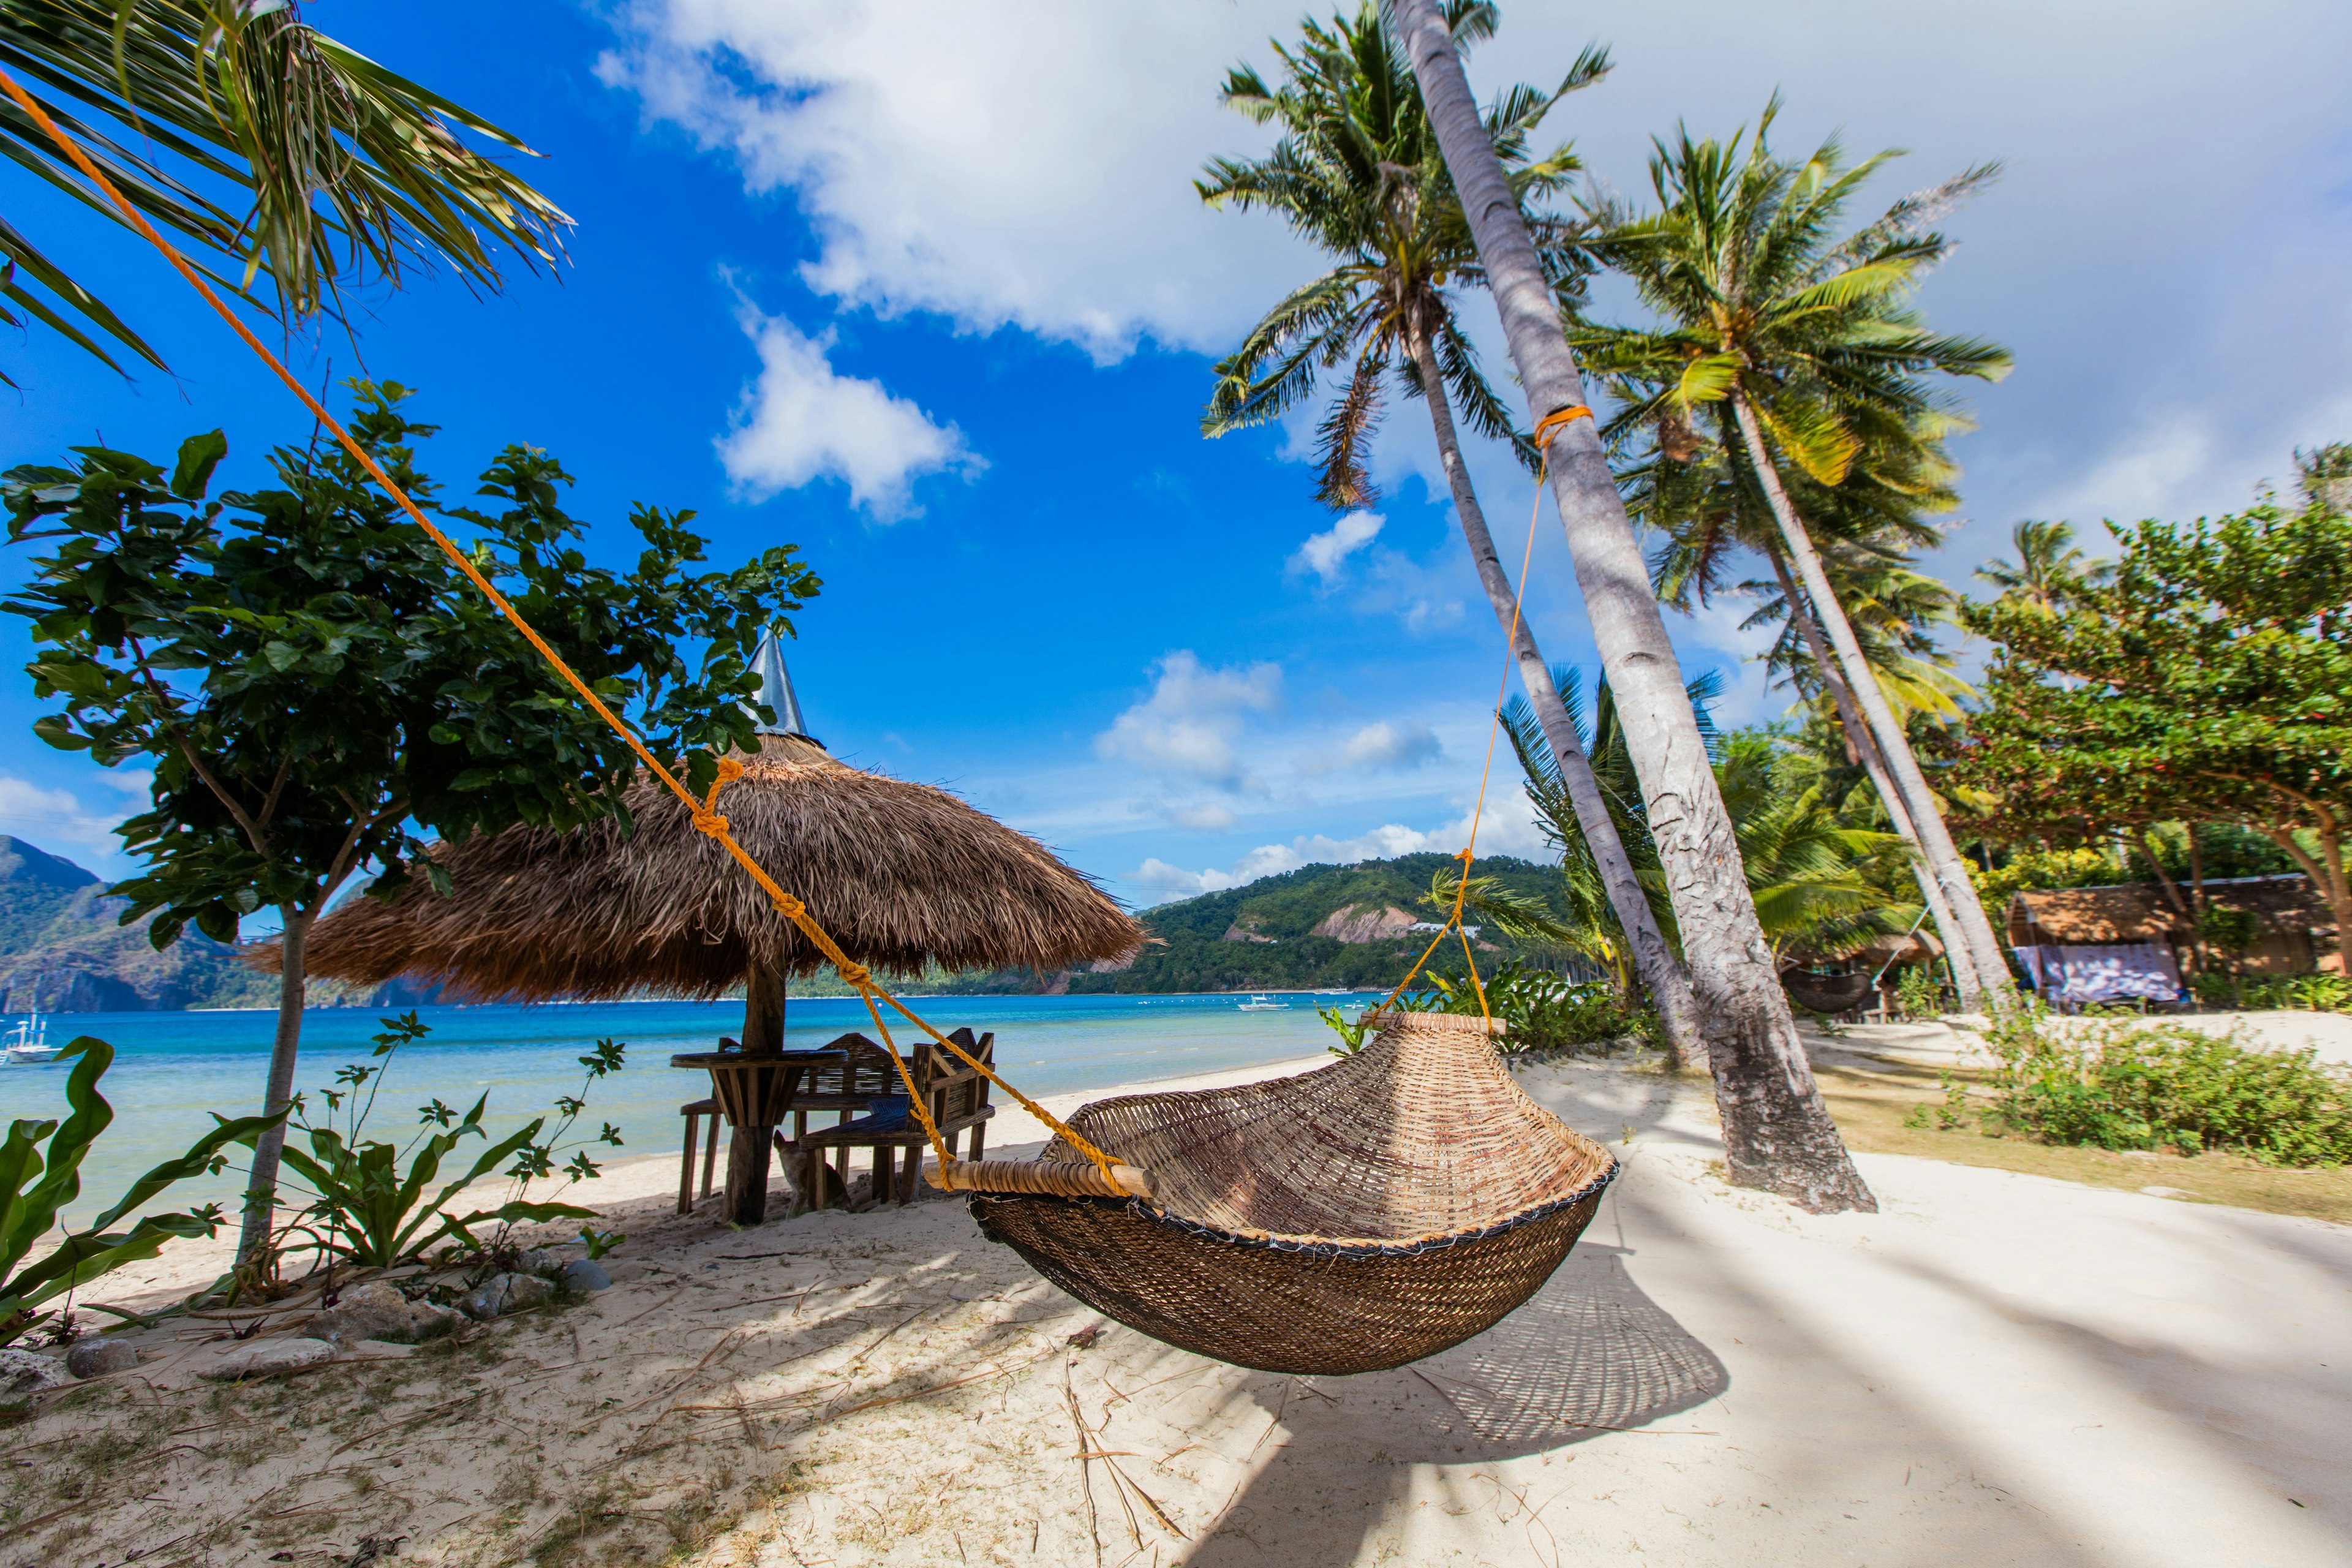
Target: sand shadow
1589	1353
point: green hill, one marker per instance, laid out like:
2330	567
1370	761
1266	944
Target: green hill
63	951
1317	927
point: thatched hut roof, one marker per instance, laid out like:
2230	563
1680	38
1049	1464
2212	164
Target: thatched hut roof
2140	912
902	875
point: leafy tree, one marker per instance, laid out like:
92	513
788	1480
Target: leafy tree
2211	680
1776	1131
1357	172
317	687
1802	350
352	172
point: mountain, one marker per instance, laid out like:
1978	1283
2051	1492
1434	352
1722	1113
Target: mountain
62	949
1317	927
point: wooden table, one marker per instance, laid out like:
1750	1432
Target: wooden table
754	1091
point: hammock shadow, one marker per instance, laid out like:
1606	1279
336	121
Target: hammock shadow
1590	1353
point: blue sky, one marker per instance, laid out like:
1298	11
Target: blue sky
925	289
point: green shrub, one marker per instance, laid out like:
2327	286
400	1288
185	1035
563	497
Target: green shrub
1544	1011
2308	993
2139	1086
1919	991
363	1209
34	1188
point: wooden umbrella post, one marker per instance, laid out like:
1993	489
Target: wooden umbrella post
753	1086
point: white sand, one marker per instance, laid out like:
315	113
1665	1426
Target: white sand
1994	1369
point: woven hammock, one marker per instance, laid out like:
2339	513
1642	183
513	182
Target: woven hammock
1831	994
1350	1220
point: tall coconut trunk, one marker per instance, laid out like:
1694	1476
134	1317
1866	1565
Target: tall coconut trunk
261	1185
749	1145
1776	1133
1866	749
1662	974
1893	745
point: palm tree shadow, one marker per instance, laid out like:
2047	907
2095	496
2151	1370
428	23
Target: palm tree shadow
1589	1353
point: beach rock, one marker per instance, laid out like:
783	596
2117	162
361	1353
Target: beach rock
97	1358
23	1374
584	1275
504	1293
263	1357
379	1311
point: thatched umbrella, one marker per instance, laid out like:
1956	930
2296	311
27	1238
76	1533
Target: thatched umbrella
902	875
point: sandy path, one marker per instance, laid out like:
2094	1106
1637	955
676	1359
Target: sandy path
1996	1368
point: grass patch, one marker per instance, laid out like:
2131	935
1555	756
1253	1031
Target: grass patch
1871	1107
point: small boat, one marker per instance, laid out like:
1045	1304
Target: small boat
1262	1005
29	1046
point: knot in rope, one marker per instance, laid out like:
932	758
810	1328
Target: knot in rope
791	908
856	974
1552	422
711	822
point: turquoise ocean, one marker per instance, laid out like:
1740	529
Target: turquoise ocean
172	1070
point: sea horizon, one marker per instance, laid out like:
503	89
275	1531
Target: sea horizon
174	1068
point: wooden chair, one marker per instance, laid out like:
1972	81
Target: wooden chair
958	1098
693	1113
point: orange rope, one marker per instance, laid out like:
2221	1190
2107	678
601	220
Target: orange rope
705	811
1549	425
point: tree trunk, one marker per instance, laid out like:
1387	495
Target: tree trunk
261	1185
748	1147
1943	857
1866	750
2326	872
1776	1133
1662	974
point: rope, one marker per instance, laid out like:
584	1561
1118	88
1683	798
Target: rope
705	811
1550	425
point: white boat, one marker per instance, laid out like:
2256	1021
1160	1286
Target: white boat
29	1046
1261	1005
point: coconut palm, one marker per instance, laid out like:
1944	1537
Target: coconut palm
1777	1132
261	144
1702	497
1801	350
2050	568
1813	877
1357	172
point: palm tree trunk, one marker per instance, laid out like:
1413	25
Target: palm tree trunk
1662	974
1943	856
1948	925
1776	1133
261	1184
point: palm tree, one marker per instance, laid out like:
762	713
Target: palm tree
2049	569
1810	874
1357	172
1776	1133
1795	343
351	172
1702	496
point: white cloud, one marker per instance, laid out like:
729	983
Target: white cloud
1390	743
1209	817
997	162
1325	554
801	421
1506	827
55	820
1188	726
